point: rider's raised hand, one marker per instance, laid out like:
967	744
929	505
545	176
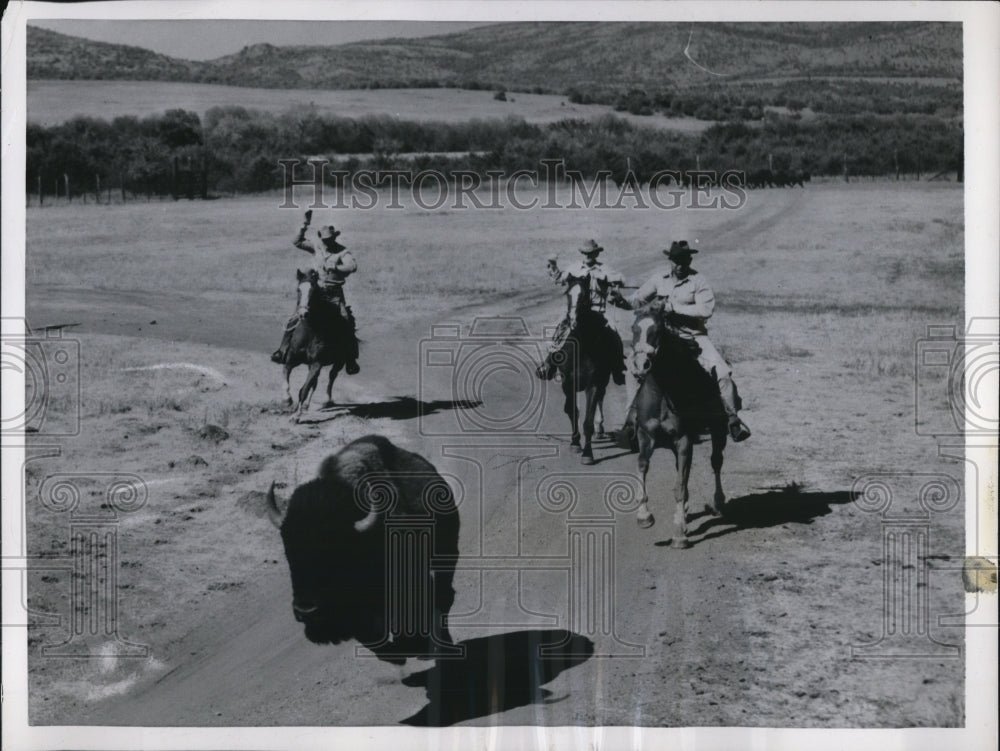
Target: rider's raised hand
309	215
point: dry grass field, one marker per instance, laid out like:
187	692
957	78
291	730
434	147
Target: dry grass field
54	102
822	294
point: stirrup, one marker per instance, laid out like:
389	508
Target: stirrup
738	430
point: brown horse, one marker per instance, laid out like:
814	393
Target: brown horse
585	362
677	404
321	337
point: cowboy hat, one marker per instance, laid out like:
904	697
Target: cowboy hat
679	248
590	248
329	235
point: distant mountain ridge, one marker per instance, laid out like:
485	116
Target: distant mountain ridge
550	57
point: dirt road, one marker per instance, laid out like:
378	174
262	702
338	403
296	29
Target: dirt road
753	626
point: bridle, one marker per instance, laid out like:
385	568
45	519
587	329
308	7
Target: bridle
644	350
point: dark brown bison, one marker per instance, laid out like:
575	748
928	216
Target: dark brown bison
372	544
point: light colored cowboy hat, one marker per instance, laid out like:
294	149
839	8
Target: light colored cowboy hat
590	248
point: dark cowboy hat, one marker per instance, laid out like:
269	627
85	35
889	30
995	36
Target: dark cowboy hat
679	249
590	248
329	235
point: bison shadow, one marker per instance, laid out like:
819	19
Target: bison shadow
787	505
497	673
400	408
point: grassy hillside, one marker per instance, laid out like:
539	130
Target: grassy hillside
549	57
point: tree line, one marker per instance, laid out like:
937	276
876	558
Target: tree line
236	150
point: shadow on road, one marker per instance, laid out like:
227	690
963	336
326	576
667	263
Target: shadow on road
498	673
788	505
400	408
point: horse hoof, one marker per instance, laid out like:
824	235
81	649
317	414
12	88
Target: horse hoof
682	544
645	522
329	404
602	436
587	461
576	448
289	402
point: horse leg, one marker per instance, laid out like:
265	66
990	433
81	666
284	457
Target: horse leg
288	384
685	449
588	425
334	371
718	445
306	392
569	407
643	517
599	420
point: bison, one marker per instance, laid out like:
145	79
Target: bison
372	544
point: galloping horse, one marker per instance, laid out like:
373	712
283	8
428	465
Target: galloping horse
677	404
585	362
321	337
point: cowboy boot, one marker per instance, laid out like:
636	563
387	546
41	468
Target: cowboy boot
546	371
737	428
279	355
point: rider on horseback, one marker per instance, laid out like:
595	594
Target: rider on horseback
603	280
688	303
334	263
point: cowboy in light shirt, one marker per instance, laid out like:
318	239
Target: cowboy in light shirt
334	263
604	280
688	303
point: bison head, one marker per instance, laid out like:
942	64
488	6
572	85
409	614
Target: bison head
336	560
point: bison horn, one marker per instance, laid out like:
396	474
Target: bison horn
273	512
363	525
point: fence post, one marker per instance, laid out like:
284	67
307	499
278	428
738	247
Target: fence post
846	179
39	189
97	191
69	197
121	176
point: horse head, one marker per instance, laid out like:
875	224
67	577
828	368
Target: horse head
308	283
645	338
577	298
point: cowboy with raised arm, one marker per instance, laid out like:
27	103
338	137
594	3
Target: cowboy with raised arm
334	263
604	281
688	303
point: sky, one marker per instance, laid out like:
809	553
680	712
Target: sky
206	40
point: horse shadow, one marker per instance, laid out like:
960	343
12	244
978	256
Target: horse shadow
771	508
497	673
400	408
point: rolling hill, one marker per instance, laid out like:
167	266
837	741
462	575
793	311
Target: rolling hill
546	57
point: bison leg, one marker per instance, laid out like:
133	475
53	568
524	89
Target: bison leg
718	445
306	392
684	448
643	517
